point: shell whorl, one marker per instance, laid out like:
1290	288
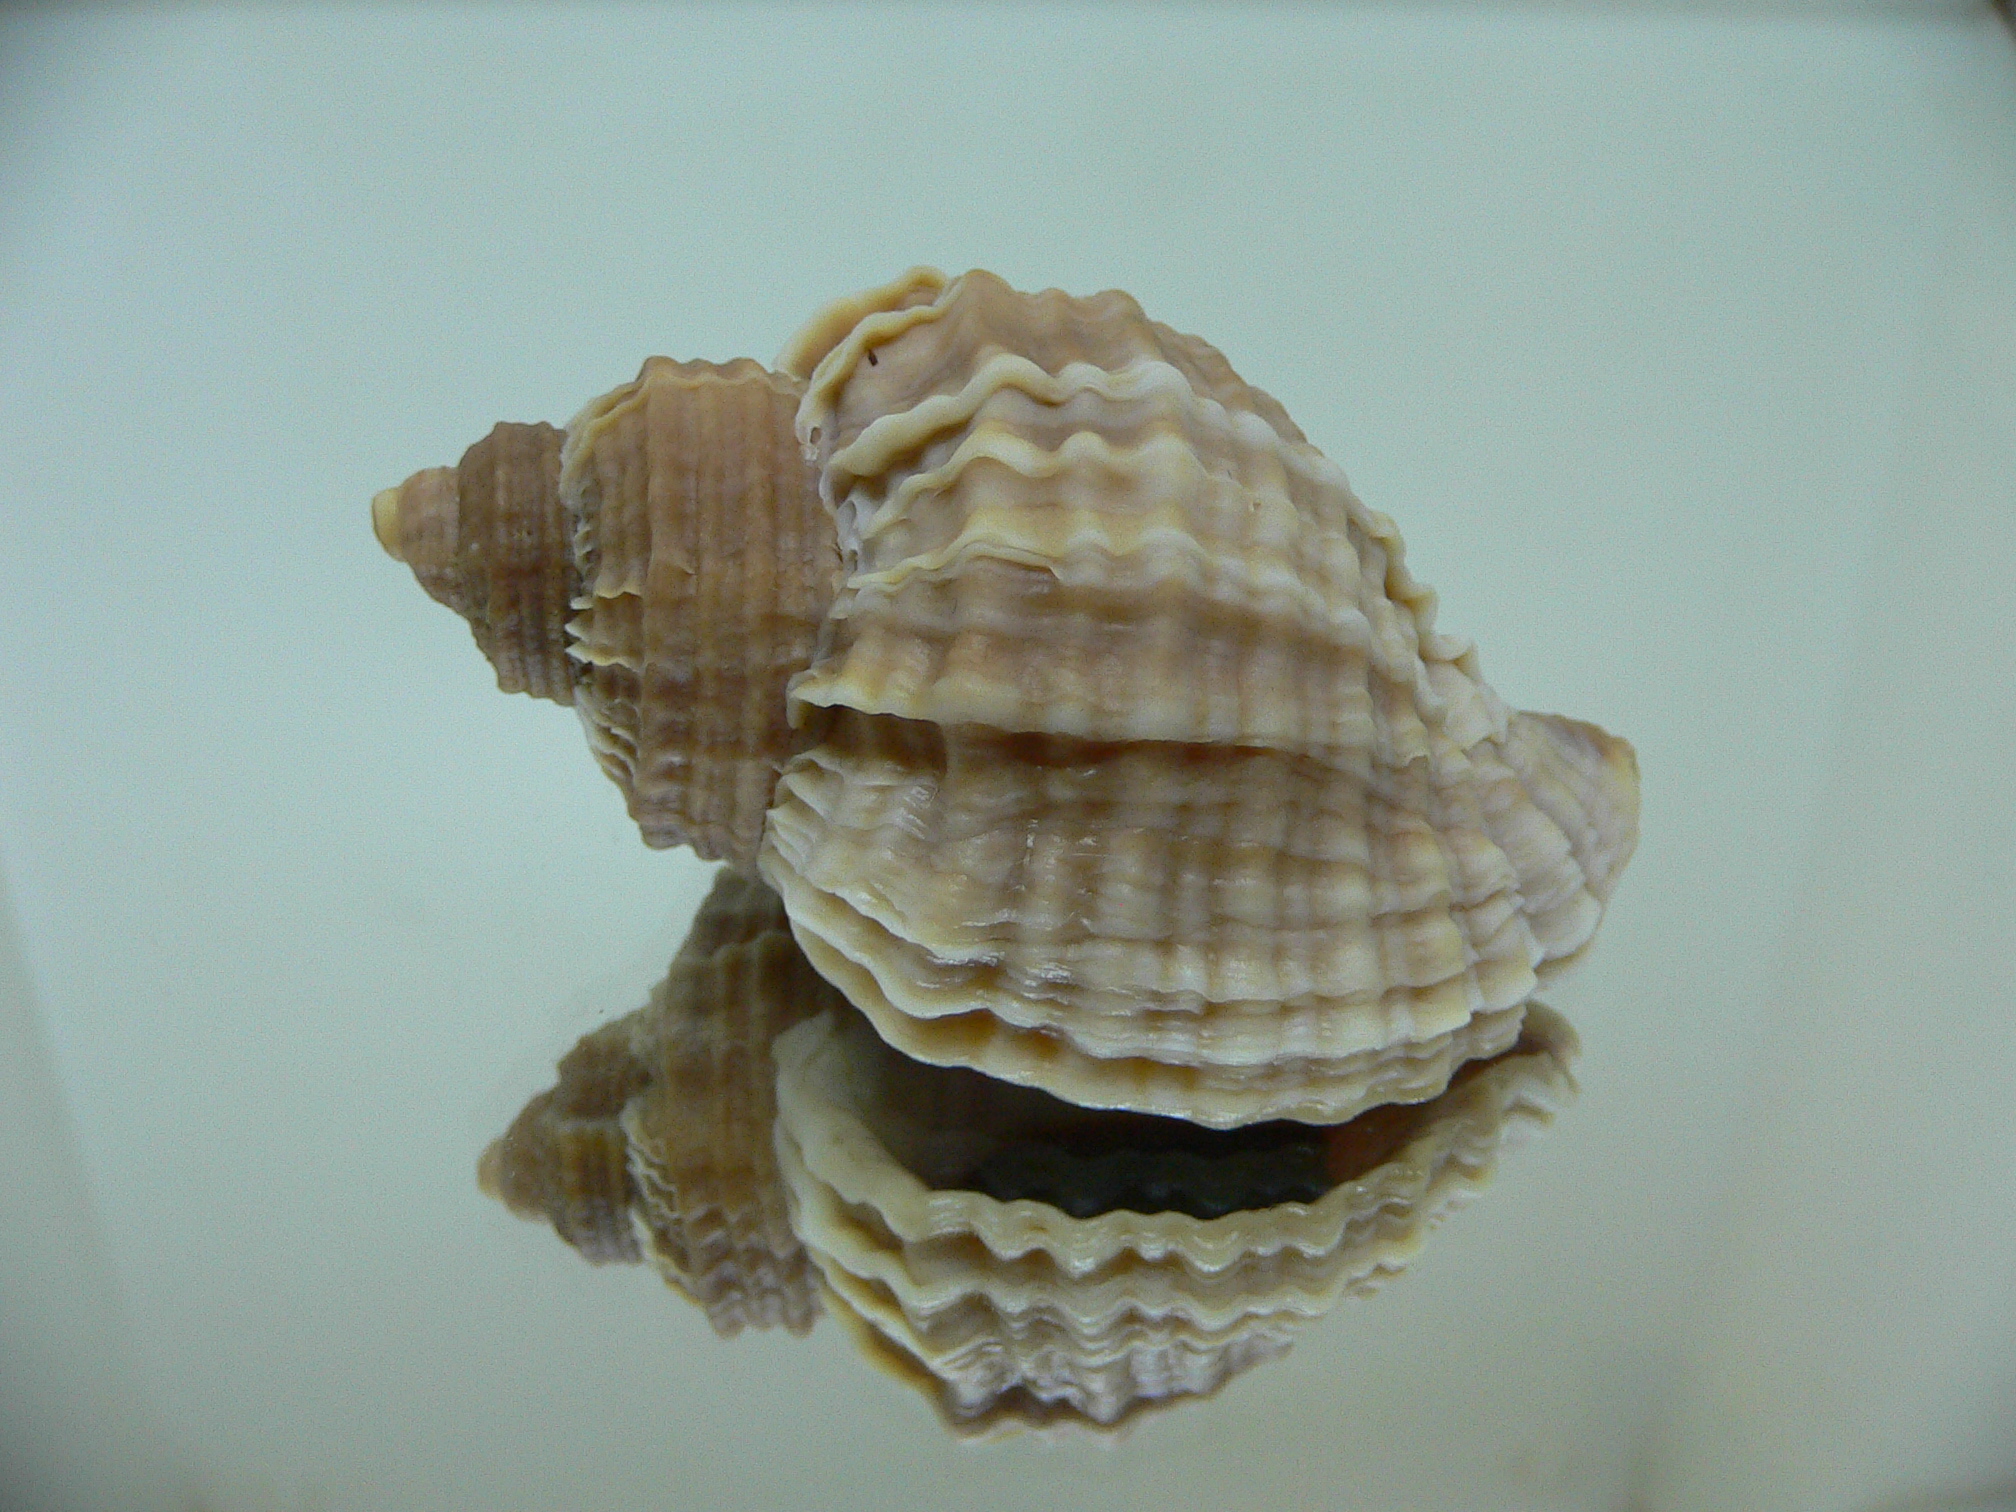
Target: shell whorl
1141	772
707	564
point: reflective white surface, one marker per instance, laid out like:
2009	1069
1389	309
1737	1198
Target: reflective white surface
1681	347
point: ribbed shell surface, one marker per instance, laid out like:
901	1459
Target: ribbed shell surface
1135	768
705	564
657	1140
1014	1310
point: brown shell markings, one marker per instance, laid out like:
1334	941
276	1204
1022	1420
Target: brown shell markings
1106	742
656	1141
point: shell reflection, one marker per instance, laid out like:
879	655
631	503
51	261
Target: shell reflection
656	1141
1022	1260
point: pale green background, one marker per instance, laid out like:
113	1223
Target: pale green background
1681	343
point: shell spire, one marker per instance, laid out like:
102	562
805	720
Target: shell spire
488	538
663	565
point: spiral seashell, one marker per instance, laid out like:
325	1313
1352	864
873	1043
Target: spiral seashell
940	1238
1094	733
656	1141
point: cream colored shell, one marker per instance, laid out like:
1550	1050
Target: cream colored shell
656	1141
1135	767
1013	1313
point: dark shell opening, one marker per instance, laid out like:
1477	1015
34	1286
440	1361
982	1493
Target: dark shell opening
1256	1167
955	1129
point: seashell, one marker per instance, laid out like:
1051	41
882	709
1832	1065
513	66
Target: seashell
1026	1262
1007	1311
656	1140
1094	733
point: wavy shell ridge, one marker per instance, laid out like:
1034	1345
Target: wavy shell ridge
927	492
